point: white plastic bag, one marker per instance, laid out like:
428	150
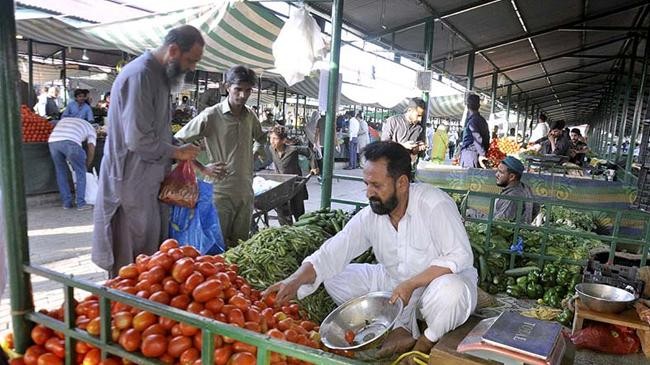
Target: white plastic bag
298	46
92	183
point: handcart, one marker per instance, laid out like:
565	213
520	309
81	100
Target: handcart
276	197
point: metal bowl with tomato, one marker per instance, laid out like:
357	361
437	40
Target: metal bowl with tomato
361	324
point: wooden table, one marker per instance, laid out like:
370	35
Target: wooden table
627	318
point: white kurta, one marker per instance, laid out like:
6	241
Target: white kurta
430	233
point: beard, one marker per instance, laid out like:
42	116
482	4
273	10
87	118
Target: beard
383	208
176	76
502	184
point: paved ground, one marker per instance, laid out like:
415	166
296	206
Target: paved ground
61	240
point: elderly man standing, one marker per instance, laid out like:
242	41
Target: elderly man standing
229	129
420	243
129	218
508	177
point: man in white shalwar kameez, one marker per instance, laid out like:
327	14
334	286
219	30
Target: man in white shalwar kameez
423	253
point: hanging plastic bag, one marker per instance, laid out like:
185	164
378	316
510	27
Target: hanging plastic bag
198	227
180	187
92	184
298	46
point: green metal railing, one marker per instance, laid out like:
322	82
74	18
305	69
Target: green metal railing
265	344
616	216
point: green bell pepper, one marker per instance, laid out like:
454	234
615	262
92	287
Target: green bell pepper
563	276
522	281
515	291
565	318
533	276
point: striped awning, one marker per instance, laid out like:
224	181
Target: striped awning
239	34
242	33
448	106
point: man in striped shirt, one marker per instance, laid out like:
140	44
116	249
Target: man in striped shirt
65	144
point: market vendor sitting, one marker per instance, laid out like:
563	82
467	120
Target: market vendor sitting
555	142
79	108
419	240
508	177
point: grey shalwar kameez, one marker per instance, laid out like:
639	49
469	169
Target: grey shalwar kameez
128	217
229	139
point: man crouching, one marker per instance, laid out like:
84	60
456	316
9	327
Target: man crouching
423	253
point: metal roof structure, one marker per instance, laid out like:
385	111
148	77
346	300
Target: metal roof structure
560	55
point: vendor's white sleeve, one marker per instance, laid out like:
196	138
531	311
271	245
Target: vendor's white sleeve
337	252
448	231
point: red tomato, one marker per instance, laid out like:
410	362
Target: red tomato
189	356
178	345
93	357
130	339
33	353
168	244
40	334
190	251
206	290
160	259
244	347
49	359
214	305
143	320
180	301
193	281
129	271
56	346
236	316
242	358
160	297
222	355
154	329
154	346
122	320
182	269
205	268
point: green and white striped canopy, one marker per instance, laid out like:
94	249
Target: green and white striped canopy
239	34
242	33
448	106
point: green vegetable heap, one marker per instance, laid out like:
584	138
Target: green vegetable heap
275	253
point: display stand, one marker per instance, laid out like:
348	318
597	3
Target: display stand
628	318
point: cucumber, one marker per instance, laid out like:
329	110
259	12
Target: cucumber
521	271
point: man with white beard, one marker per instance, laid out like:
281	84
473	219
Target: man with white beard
128	217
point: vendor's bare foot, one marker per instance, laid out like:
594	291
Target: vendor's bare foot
397	342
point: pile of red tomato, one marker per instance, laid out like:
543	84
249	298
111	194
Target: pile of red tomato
35	128
494	153
182	278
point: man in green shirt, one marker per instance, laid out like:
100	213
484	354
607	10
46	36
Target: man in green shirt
230	128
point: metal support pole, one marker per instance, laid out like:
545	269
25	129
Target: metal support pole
295	117
30	67
508	105
65	77
470	71
428	53
259	93
525	119
275	94
626	101
11	182
638	109
332	93
284	106
493	93
304	111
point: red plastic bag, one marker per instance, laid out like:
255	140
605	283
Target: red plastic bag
180	187
607	338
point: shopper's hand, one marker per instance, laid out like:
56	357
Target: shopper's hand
314	171
481	161
217	170
409	145
187	151
403	291
421	146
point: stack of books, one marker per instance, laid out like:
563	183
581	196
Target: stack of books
514	339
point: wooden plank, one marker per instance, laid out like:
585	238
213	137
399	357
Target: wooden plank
628	318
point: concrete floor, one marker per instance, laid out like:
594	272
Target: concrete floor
61	240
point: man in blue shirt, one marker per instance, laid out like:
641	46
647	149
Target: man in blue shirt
476	136
79	108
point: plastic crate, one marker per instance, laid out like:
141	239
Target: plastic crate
614	275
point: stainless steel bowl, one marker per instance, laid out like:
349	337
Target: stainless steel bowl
604	298
369	316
